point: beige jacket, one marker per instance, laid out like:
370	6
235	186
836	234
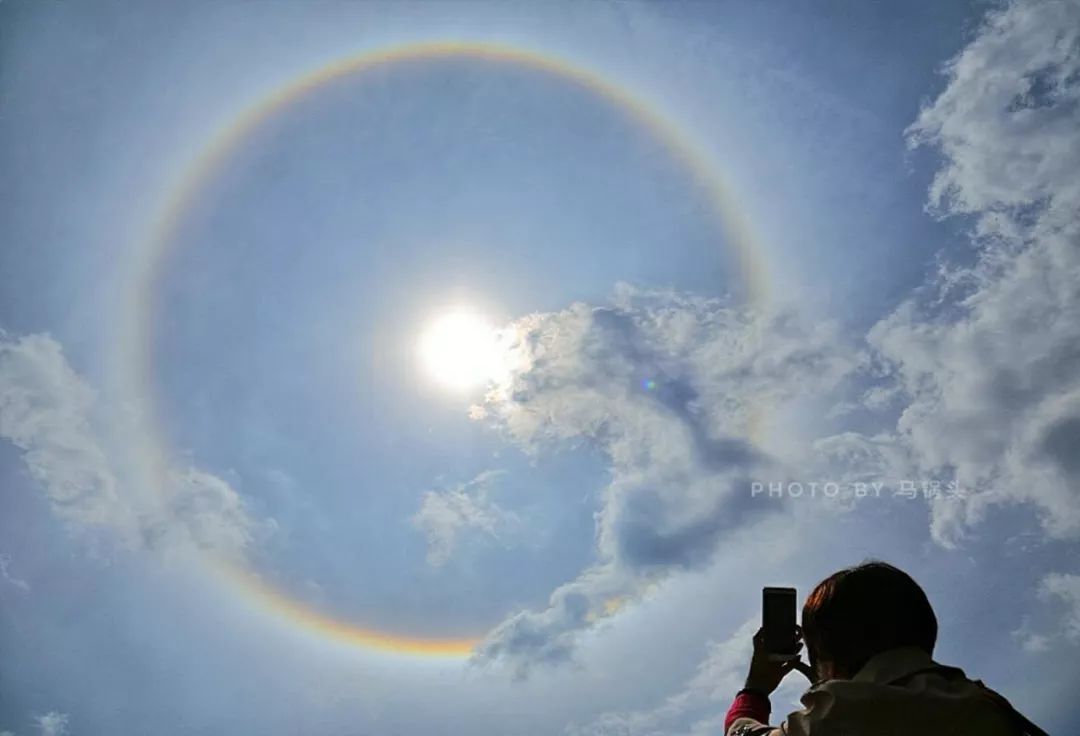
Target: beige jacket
902	692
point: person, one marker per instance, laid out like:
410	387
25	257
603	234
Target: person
870	632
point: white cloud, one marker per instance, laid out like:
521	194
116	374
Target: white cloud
445	515
1035	643
988	359
8	577
1006	122
210	513
982	365
670	388
51	414
53	723
1059	620
1066	589
45	411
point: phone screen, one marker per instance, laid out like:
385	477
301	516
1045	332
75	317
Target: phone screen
778	620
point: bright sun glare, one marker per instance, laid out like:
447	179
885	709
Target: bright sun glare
461	350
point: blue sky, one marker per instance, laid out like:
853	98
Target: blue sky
587	515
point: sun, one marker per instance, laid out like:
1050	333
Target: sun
461	350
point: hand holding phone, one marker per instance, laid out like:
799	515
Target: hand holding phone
777	643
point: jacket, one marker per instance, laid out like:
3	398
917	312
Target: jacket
901	692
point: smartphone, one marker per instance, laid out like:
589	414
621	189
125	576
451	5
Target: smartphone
778	620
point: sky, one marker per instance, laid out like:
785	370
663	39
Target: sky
388	369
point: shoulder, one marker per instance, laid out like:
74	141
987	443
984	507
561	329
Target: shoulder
925	705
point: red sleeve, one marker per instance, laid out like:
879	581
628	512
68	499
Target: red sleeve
748	704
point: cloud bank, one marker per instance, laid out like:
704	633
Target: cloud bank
987	358
670	388
974	378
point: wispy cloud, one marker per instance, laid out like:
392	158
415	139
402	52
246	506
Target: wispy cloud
8	577
718	675
445	515
50	413
1066	589
1059	620
45	410
53	723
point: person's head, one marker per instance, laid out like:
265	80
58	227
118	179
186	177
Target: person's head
861	611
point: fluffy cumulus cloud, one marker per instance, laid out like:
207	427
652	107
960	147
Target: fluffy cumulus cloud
445	515
50	413
671	388
987	359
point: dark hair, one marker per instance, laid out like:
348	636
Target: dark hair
861	611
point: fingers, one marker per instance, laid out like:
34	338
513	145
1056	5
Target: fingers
796	664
